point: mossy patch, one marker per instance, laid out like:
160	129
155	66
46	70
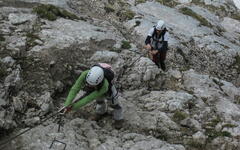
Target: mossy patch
126	14
196	144
178	116
189	12
237	99
212	134
214	122
126	45
139	1
114	49
168	3
228	125
236	16
31	39
122	3
211	8
197	2
109	8
51	12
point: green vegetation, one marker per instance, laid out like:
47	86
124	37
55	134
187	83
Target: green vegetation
211	8
178	116
126	45
237	98
109	8
186	68
51	12
212	134
189	12
31	38
217	10
236	16
122	3
214	122
2	38
129	14
196	145
168	3
139	1
114	49
197	2
228	125
126	14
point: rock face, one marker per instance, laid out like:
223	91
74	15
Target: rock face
237	3
194	105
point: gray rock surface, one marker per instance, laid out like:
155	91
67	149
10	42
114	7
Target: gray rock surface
193	104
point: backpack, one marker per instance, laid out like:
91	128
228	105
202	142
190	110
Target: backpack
161	35
108	72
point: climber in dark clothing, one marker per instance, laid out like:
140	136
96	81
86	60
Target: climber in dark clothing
157	44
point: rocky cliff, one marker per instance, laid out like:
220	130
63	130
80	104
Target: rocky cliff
194	105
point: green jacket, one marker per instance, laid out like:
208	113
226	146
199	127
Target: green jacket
79	85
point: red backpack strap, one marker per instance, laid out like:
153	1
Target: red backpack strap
105	65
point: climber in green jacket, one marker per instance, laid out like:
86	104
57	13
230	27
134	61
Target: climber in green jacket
98	84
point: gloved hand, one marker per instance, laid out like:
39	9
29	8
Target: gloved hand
65	110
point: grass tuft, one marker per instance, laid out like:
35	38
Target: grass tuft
189	12
126	45
51	12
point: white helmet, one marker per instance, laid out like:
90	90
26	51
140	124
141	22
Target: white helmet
160	25
95	76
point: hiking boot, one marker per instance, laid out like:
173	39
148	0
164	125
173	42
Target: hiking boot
118	124
97	117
